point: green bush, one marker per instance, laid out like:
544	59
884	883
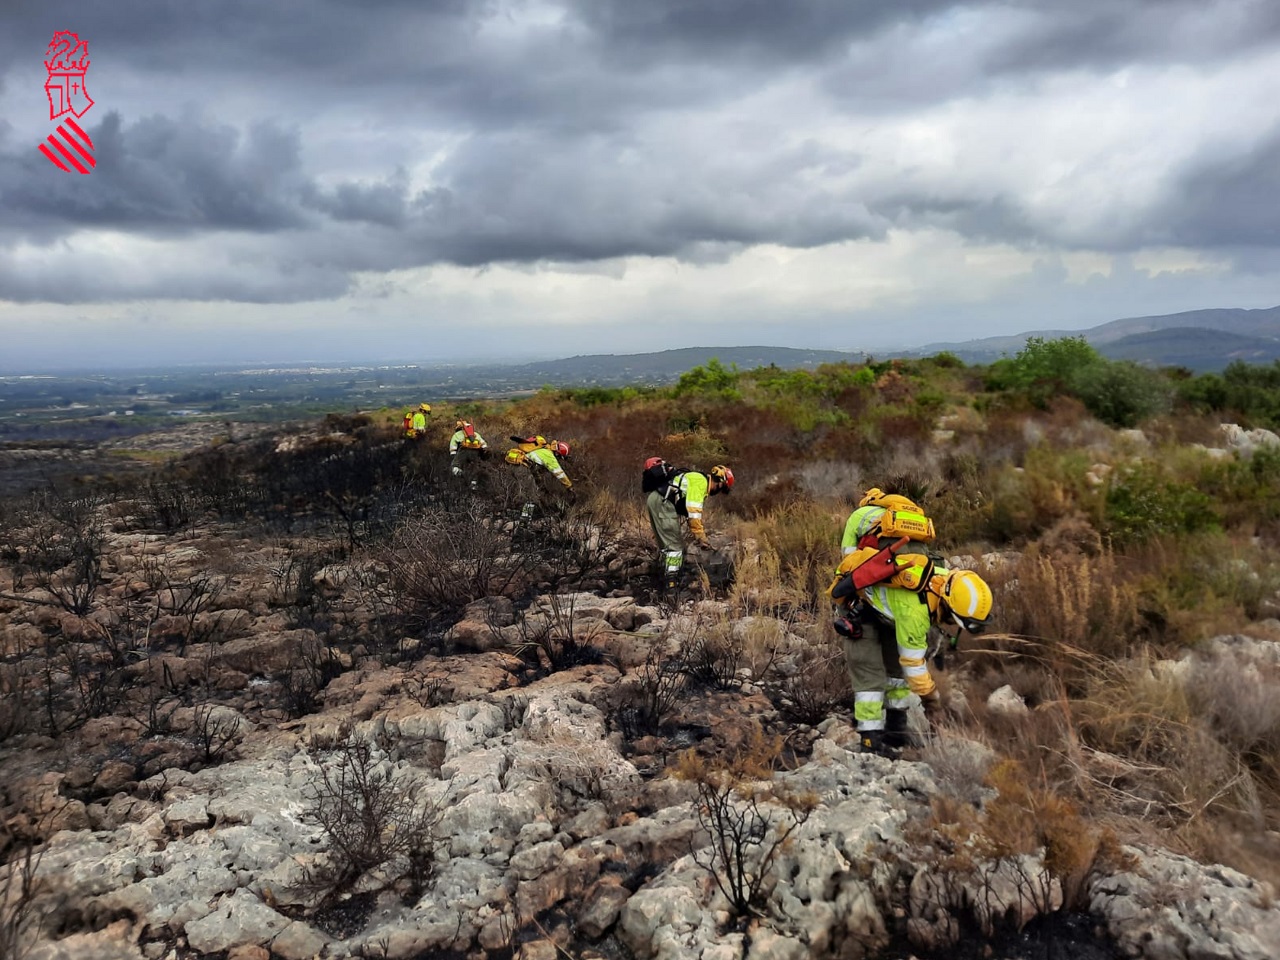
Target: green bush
1044	369
1142	502
713	380
1247	393
588	397
1247	489
1120	394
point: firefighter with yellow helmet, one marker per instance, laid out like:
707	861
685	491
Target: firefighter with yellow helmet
418	421
682	495
893	595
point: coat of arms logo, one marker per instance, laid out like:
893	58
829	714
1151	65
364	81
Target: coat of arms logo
67	61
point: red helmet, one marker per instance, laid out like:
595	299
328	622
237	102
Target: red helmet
652	462
561	449
724	475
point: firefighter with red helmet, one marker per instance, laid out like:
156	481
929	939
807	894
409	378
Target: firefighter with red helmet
543	457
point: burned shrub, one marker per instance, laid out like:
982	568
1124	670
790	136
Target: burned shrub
370	816
819	687
648	702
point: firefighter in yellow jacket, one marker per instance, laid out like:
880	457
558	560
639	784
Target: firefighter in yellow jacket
893	595
683	496
543	458
465	445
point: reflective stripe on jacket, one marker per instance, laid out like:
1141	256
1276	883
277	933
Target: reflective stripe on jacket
690	490
911	619
861	522
547	460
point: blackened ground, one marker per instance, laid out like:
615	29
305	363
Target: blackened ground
1058	936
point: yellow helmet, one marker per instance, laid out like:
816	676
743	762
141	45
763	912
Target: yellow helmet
724	475
424	407
871	496
965	596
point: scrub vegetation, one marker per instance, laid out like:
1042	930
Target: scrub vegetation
1118	526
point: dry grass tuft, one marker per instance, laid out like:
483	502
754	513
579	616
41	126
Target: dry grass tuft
1070	600
797	551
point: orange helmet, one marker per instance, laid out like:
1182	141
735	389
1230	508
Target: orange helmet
724	475
652	462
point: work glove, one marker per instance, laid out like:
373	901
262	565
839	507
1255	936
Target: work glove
849	627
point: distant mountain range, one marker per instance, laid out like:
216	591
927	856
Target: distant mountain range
1201	340
609	369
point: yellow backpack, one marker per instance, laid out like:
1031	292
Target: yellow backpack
902	516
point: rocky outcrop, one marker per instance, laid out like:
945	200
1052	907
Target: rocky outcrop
185	826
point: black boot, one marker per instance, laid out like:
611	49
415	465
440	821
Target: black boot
896	736
873	741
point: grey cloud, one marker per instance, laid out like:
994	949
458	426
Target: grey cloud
998	218
96	278
1105	34
384	203
800	31
160	176
1227	203
516	197
572	141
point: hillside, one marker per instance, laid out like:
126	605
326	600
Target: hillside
1196	348
667	365
308	693
1246	334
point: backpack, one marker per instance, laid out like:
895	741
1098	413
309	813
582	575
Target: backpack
891	566
659	476
902	517
530	444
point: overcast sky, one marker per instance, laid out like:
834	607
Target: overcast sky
454	180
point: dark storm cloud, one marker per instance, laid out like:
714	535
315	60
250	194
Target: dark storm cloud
1227	203
510	197
800	31
1105	34
159	176
621	127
